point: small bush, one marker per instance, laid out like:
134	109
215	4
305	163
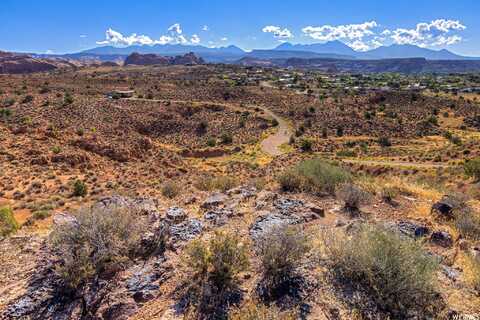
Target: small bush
27	99
67	99
170	190
211	142
253	310
306	145
314	175
352	196
472	168
468	225
79	188
219	260
389	193
41	214
99	240
473	272
8	224
56	149
226	138
398	273
222	183
384	142
274	122
281	250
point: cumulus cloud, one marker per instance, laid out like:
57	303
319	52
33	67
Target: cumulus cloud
224	39
278	32
116	38
436	33
341	32
205	28
83	36
195	39
175	28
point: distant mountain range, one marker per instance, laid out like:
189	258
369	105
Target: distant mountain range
230	54
394	51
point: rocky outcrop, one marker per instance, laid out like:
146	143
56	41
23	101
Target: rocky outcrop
154	59
17	64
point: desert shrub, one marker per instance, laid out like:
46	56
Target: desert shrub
27	99
8	224
56	149
346	153
211	142
468	225
202	126
472	168
170	190
274	122
218	260
281	250
5	113
98	240
473	272
396	272
79	188
384	142
8	102
67	99
222	183
314	175
352	196
389	193
226	138
253	310
41	214
306	145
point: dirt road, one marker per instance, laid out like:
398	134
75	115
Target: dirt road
270	145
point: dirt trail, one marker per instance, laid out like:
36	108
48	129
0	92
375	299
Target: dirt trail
270	145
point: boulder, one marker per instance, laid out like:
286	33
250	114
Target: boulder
176	214
442	238
214	200
186	230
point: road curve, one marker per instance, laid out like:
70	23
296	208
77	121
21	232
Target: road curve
271	145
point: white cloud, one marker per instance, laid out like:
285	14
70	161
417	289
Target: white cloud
359	45
49	52
205	28
345	32
224	39
195	39
116	38
175	28
436	33
83	36
278	32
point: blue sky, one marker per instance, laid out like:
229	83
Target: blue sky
61	26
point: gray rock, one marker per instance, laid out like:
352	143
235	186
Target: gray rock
176	214
265	223
214	200
218	217
412	229
442	238
186	230
452	274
